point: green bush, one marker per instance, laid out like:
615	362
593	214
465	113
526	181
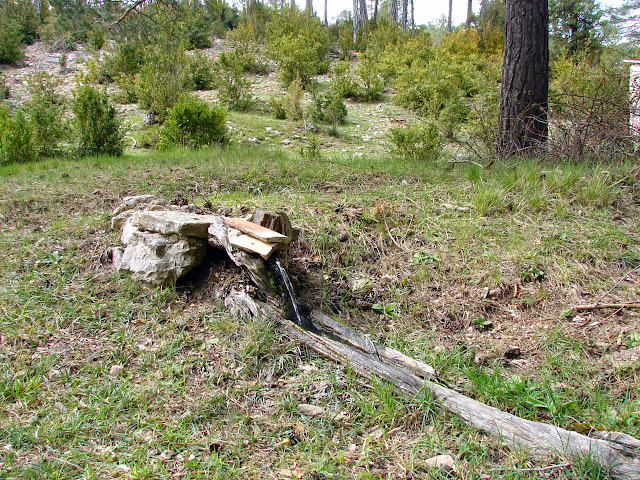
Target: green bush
4	88
15	138
200	72
45	111
18	25
95	126
299	43
328	108
193	123
278	107
162	79
11	46
248	50
235	86
418	141
370	81
293	100
342	81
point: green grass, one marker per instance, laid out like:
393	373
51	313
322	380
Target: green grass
221	394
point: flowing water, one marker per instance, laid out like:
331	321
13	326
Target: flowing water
293	302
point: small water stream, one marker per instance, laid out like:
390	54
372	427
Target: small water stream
292	302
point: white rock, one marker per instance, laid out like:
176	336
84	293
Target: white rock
310	410
115	370
128	231
170	222
159	259
442	462
130	202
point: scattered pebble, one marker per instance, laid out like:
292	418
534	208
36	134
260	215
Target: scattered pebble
115	370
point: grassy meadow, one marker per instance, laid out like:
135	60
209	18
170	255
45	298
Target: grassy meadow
450	263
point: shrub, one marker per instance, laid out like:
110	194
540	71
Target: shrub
11	47
45	110
15	138
299	43
589	110
293	100
200	72
162	79
193	123
418	141
235	87
95	126
248	50
4	88
328	108
342	81
278	107
370	81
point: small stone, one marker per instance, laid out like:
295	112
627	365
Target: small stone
310	410
115	370
152	452
444	463
124	468
191	458
166	455
286	142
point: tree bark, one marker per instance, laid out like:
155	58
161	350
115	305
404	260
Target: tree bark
405	9
309	7
356	19
449	27
326	16
375	10
525	77
413	18
469	13
394	11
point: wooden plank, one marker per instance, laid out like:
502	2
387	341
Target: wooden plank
251	244
257	231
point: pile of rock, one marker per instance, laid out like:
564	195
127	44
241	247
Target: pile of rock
163	243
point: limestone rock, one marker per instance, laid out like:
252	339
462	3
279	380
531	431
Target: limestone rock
170	222
158	259
131	202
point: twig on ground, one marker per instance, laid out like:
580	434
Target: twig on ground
601	306
544	469
617	283
391	236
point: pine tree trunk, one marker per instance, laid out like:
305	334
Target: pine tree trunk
469	13
356	19
394	11
525	77
413	18
309	7
405	8
449	26
375	10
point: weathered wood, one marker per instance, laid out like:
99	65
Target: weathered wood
601	306
251	244
257	231
255	266
278	222
372	348
538	438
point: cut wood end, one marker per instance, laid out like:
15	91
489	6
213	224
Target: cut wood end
257	231
251	244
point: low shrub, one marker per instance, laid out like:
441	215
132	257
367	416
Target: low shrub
235	86
342	81
293	100
15	138
278	107
194	123
95	126
5	91
328	108
200	71
370	82
418	141
45	111
162	79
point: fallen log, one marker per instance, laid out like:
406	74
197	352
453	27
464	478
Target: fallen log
540	439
